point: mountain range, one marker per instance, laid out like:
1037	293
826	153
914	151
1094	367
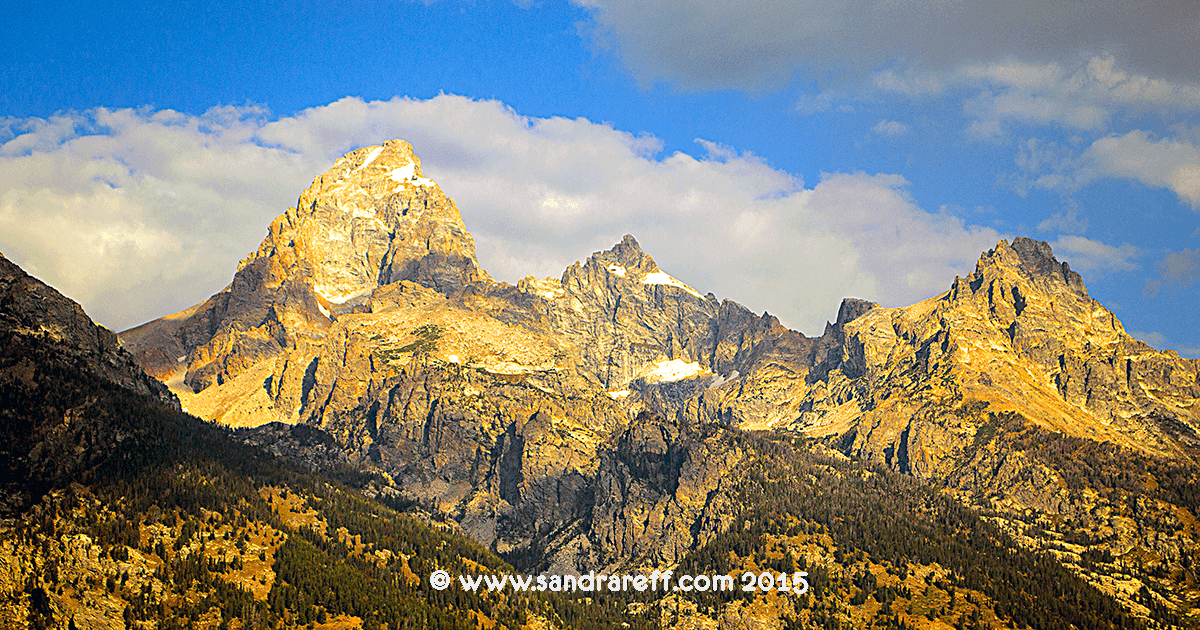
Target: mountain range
615	418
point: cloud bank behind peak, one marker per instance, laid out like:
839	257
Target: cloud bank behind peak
138	213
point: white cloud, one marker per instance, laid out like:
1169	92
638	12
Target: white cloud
1171	163
139	212
133	212
1087	256
890	128
903	252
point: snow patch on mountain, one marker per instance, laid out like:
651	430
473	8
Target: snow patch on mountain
407	174
669	371
333	296
658	277
370	158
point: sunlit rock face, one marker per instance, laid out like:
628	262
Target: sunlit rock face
564	417
371	220
1020	334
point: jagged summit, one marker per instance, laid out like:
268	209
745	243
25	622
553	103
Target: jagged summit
1020	334
624	268
628	262
376	245
372	220
1037	258
1020	330
1024	290
627	254
1032	259
374	248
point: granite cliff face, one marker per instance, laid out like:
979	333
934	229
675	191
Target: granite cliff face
1020	334
370	221
562	421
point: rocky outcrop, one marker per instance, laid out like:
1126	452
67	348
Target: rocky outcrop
1020	334
371	220
663	489
57	370
34	315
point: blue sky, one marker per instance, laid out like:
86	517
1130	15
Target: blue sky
781	154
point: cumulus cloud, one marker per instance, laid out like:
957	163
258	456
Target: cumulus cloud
134	212
707	44
1172	163
137	213
1087	255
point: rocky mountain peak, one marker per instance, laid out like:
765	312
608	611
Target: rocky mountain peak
628	255
1038	259
1022	334
851	309
623	268
373	171
372	219
1034	260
